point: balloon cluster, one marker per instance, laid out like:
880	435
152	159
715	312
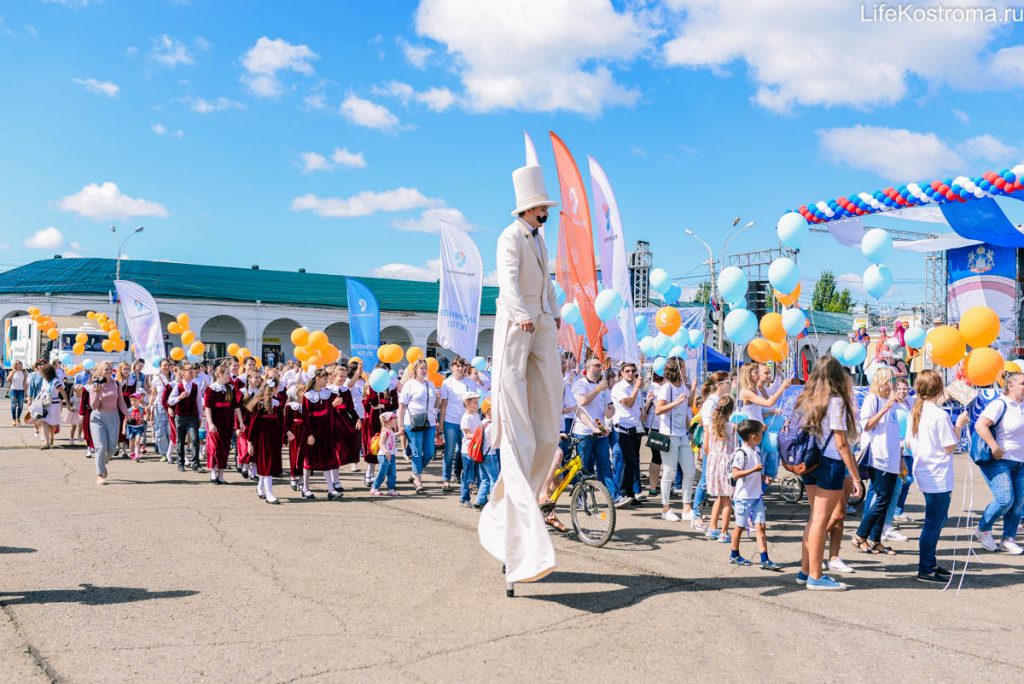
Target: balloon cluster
978	328
191	346
671	340
46	324
312	349
848	353
661	282
114	341
876	246
959	189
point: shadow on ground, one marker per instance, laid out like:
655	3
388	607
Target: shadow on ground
89	595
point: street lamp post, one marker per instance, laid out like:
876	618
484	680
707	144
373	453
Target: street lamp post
117	267
712	264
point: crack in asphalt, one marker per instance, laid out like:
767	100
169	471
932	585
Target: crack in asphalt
40	661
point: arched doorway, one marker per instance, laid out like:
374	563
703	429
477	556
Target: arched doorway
339	334
276	341
217	333
396	334
485	343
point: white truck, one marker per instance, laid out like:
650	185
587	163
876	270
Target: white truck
25	342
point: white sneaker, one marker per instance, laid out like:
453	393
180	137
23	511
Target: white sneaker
1010	546
670	516
622	502
892	535
839	565
698	524
689	515
902	518
986	540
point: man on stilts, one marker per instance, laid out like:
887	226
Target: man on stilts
527	388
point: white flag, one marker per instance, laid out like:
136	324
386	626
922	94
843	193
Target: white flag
143	320
462	279
614	268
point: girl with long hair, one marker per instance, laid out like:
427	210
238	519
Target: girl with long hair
417	414
720	440
827	410
265	434
222	412
881	439
715	389
317	450
673	410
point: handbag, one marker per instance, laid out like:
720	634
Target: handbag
980	451
420	422
657	441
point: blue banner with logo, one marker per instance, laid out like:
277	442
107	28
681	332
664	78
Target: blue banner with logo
364	321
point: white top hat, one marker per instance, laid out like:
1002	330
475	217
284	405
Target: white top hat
530	191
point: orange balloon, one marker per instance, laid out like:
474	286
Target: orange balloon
259	363
115	334
188	337
183	321
34	311
197	348
771	327
243	353
302	353
233	348
436	379
979	326
177	353
174	328
314	360
413	354
52	333
788	299
668	320
983	366
81	338
779	351
78	348
945	345
300	336
1012	367
759	350
432	365
317	339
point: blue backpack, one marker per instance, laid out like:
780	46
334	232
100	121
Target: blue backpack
980	451
799	451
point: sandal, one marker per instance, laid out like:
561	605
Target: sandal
546	507
553	521
862	545
420	490
879	547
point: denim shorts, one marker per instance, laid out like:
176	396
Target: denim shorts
829	475
749	512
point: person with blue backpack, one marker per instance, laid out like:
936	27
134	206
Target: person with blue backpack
1001	428
815	444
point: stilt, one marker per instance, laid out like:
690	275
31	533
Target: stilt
510	590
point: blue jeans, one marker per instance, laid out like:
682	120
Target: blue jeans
386	468
701	492
17	403
626	462
469	472
1006	480
897	493
421	444
593	451
908	462
936	509
883	485
452	450
489	471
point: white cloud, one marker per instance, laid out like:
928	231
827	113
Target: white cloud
31	30
1007	66
131	51
417	55
45	238
316	101
437	99
368	114
962	116
267	57
73	4
179	134
99	87
430	272
5	246
159	128
170	52
71	255
105	201
75	245
986	147
204	106
894	153
430	221
341	157
806	52
365	203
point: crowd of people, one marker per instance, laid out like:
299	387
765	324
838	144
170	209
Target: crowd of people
710	441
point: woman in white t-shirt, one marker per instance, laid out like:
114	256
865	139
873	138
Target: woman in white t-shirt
417	413
826	404
933	439
880	438
673	410
1002	427
19	383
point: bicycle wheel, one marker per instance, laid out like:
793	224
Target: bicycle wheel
791	489
592	512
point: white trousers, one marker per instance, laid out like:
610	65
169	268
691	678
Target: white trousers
678	454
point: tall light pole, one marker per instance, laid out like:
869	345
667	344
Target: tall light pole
117	267
713	288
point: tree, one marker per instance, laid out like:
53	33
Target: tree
827	298
703	294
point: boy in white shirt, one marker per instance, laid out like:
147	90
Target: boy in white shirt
469	423
748	500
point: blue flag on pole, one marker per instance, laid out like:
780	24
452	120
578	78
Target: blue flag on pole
364	321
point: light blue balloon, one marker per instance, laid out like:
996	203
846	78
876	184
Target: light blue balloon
88	364
793	230
876	245
642	326
571	313
915	336
559	293
613	339
838	349
681	337
647	346
901	418
677	352
732	283
672	294
607	304
156	361
783	274
793	321
696	338
659	365
770	441
660	280
854	354
877	280
740	326
393	375
379	380
738	417
64	356
738	304
580	327
479	362
663	344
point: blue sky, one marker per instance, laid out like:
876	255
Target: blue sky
332	135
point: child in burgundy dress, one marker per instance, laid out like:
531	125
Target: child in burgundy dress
266	436
222	412
316	451
295	434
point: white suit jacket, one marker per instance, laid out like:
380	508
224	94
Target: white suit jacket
526	289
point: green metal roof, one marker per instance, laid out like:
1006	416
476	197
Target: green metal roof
194	281
830	323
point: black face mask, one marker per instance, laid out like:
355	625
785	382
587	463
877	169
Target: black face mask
542	219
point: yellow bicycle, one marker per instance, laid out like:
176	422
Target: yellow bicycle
591	506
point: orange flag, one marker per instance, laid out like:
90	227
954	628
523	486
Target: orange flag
575	230
567	337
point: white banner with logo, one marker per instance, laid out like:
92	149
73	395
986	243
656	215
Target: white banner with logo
143	320
462	279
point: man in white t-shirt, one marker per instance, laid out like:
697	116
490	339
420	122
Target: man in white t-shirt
628	398
592	396
453	392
